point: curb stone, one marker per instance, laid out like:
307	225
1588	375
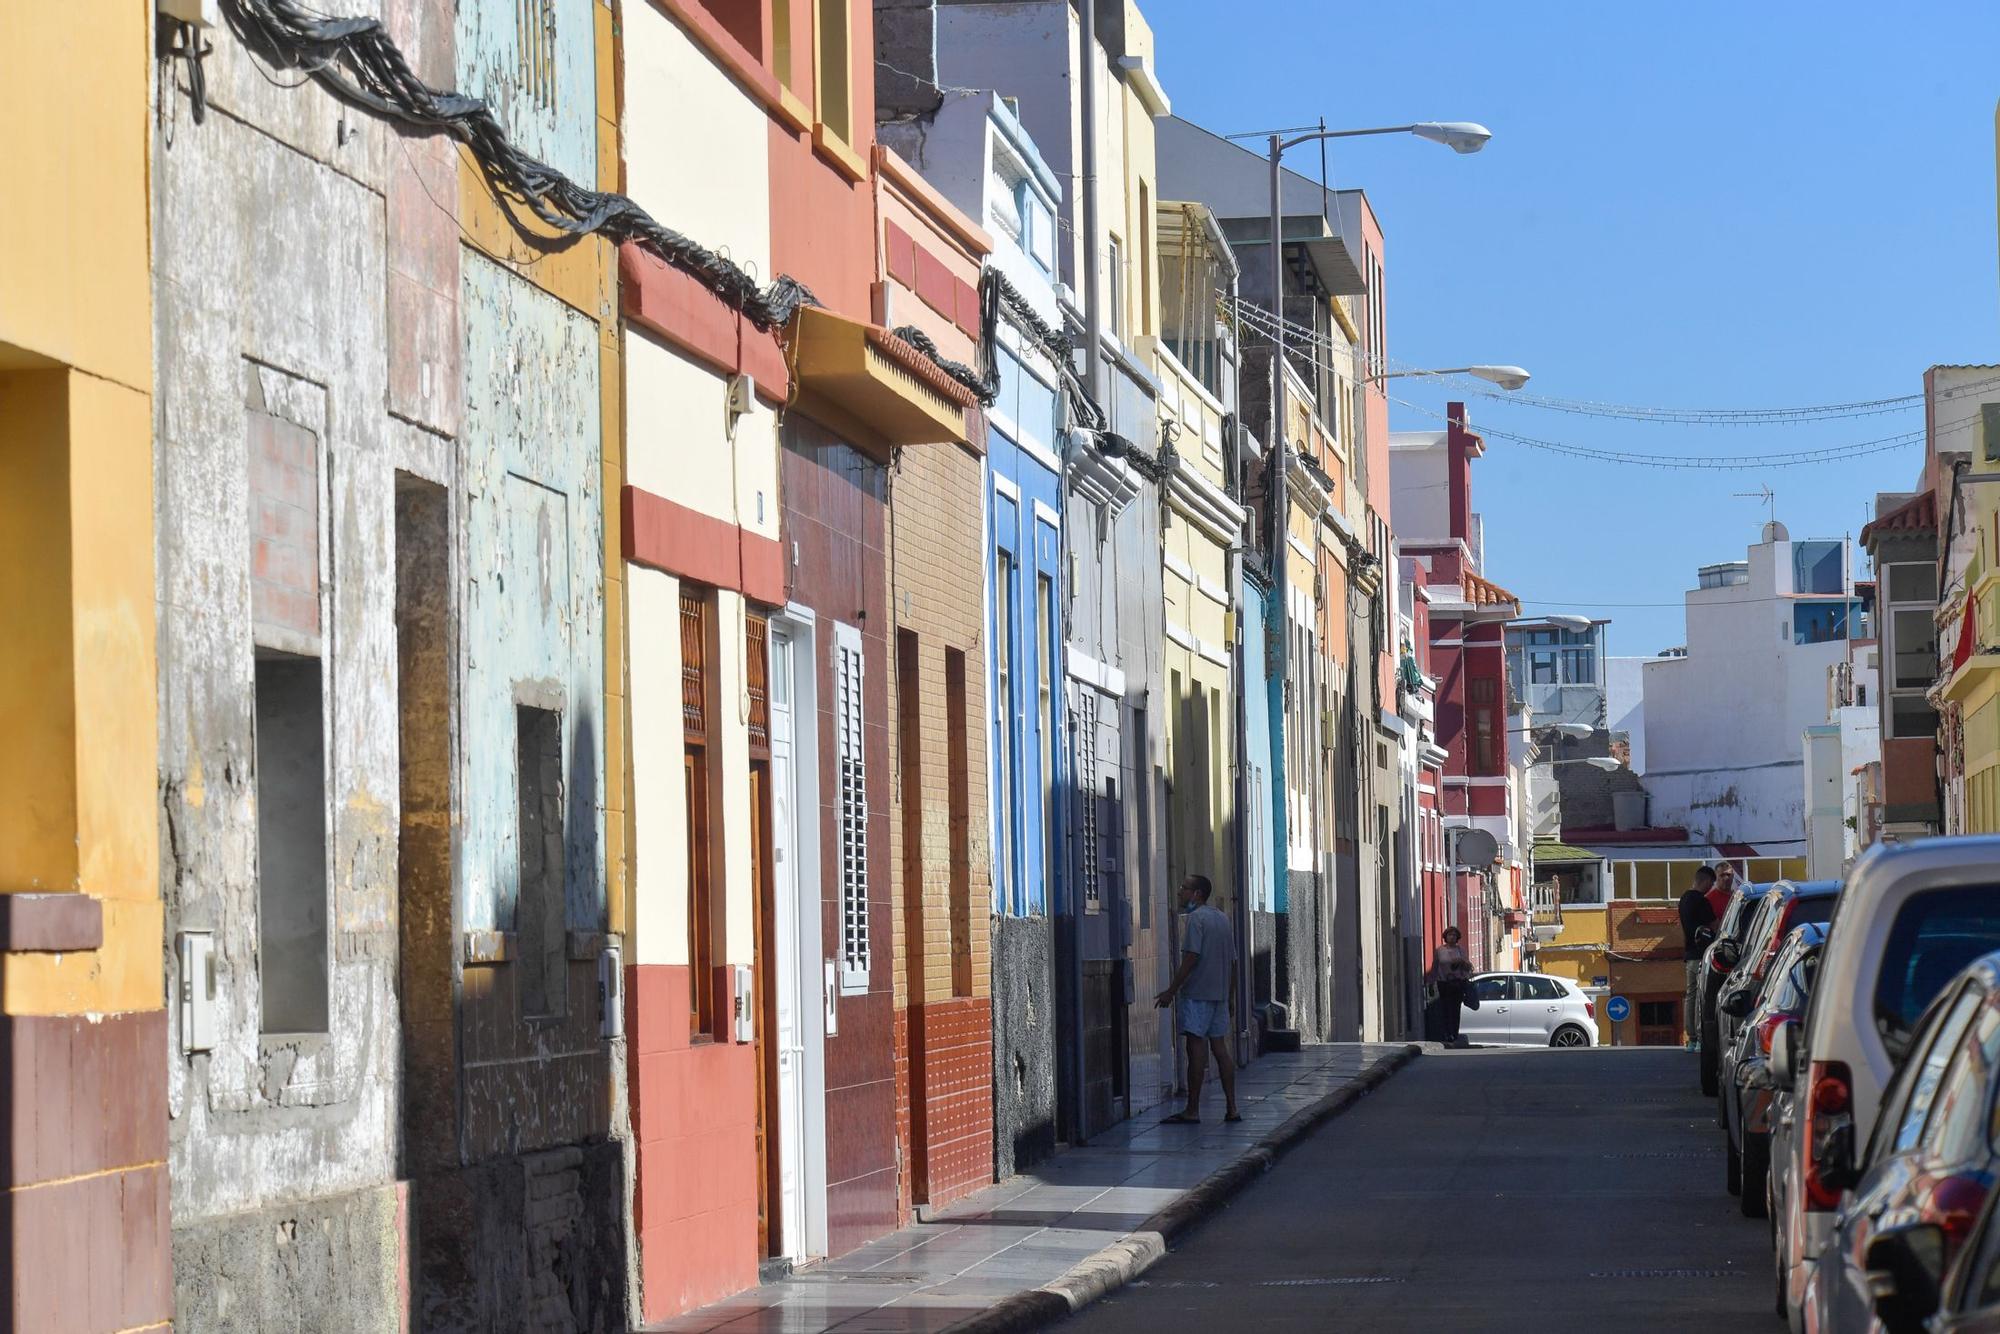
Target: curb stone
1131	1255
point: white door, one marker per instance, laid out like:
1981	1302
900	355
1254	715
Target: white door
1492	1023
786	966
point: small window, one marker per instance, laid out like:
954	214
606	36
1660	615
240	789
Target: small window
1114	283
1542	669
698	767
1913	581
1539	988
291	845
1989	430
1914	649
1481	690
1910	716
1659	1014
851	784
1496	988
540	940
1038	229
834	68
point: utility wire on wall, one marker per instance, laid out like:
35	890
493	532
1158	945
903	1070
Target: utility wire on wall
355	60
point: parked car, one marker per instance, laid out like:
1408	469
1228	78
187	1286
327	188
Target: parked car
1784	906
1529	1010
1746	1068
1968	1292
1715	967
1908	919
1927	1170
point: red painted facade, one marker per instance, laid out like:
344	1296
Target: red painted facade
694	1117
1466	643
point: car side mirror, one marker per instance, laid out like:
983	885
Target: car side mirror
1737	1004
1728	953
1904	1264
1783	1056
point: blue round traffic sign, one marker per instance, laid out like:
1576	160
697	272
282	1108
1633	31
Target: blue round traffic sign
1617	1009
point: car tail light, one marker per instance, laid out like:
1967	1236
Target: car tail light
1768	1030
1954	1204
1829	1132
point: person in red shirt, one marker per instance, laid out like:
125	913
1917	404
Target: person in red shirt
1723	890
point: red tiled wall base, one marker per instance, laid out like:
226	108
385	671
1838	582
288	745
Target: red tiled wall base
83	1108
958	1094
694	1114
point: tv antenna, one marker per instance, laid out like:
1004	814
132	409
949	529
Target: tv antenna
1765	494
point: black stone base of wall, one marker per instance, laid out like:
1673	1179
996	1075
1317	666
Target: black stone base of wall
1024	1043
1303	988
528	1243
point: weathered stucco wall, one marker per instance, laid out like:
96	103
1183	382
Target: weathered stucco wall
273	309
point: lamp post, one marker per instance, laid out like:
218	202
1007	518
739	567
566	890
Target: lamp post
1460	137
1509	378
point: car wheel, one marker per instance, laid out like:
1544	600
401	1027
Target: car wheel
1756	1166
1711	1059
1569	1035
1732	1169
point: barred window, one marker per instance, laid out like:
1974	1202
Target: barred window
851	776
1089	848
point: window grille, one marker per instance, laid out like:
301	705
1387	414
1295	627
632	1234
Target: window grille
757	675
1089	853
852	775
694	662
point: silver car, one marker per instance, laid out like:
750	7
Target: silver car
1909	918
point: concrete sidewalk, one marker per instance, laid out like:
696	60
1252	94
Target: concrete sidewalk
1038	1245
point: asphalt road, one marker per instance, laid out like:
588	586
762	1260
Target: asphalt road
1484	1190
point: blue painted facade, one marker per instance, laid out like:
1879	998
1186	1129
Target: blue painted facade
1024	627
1264	880
534	600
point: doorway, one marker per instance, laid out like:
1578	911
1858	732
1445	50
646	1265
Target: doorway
784	797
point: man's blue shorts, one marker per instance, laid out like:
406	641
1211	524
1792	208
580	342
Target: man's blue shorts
1204	1019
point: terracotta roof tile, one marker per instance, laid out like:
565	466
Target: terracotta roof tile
1918	514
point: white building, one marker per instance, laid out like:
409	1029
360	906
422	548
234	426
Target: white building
1841	757
1725	722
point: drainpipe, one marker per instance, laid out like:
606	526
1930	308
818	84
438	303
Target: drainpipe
1233	458
1278	499
1093	367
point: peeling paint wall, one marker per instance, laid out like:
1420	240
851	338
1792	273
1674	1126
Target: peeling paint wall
269	245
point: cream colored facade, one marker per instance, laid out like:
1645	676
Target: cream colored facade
1199	588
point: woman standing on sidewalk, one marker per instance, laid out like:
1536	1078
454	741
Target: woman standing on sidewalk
1451	974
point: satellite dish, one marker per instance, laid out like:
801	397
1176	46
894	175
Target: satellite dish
1476	848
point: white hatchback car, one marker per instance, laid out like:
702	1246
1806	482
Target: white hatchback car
1528	1010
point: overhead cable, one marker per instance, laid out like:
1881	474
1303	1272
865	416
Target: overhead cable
356	61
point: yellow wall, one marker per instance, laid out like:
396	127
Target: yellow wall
77	701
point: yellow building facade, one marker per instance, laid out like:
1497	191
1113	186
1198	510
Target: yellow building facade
80	917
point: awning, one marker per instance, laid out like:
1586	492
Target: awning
872	387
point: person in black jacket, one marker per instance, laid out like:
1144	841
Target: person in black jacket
1697	929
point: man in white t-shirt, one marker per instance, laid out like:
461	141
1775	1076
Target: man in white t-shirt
1205	983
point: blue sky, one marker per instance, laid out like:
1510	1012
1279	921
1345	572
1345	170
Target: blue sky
1700	205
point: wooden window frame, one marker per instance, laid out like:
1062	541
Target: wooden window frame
698	772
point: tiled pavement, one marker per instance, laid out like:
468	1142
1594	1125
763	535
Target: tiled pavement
1028	1230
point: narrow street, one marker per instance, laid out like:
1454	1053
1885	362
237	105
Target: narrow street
1486	1190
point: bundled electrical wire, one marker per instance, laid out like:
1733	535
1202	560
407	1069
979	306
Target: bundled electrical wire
355	60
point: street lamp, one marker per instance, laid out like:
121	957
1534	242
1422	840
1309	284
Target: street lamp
1604	762
1458	135
1509	378
1574	731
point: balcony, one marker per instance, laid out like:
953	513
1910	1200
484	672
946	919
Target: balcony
874	388
1545	912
